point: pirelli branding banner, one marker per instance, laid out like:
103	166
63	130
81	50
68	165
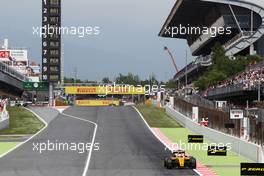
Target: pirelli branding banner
104	90
97	102
217	151
195	138
252	168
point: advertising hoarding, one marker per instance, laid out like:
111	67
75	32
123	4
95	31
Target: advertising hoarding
97	102
103	90
4	54
195	114
236	114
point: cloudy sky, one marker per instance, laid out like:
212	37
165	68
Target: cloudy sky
128	40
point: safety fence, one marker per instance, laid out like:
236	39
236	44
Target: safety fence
241	147
226	90
218	119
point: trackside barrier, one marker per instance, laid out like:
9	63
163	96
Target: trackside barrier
4	115
249	150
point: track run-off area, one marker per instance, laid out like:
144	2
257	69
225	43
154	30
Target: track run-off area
120	144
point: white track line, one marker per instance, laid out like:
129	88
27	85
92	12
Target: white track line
168	147
86	168
22	143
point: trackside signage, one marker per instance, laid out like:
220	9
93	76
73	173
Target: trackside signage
195	138
104	90
252	168
97	102
217	151
35	86
195	114
236	114
4	54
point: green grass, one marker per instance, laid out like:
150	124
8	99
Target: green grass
6	146
222	165
156	117
22	122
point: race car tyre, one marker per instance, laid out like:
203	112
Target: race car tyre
168	163
192	163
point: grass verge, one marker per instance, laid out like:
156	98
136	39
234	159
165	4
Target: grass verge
222	165
6	146
156	117
22	121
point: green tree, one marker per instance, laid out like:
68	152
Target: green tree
68	80
128	79
224	67
106	80
171	84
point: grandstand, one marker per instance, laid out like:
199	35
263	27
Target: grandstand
11	81
243	18
246	83
194	71
241	33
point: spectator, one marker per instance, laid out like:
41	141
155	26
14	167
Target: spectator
249	78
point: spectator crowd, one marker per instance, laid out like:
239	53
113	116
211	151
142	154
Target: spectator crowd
252	77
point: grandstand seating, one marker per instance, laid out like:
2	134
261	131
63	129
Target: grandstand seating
249	79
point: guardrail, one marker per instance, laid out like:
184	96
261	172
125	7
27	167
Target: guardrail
204	60
226	89
190	67
237	39
12	72
198	100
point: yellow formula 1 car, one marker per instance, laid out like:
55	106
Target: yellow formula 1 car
180	160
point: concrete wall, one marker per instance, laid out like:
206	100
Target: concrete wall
244	148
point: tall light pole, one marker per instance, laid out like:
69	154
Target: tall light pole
62	65
75	76
259	91
186	69
75	81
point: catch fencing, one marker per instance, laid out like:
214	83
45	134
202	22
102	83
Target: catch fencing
241	147
218	118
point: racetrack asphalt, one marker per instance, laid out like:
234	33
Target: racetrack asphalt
126	147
